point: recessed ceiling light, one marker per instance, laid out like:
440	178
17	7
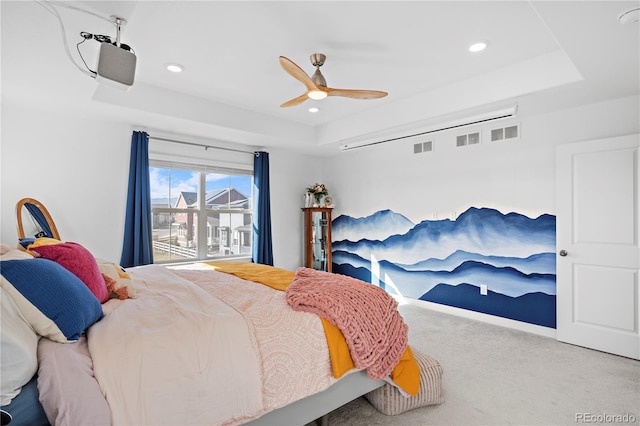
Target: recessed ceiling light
313	109
175	67
478	47
630	16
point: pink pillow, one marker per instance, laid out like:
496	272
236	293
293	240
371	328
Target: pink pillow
79	261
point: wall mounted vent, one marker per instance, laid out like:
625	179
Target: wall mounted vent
468	139
422	147
424	128
508	132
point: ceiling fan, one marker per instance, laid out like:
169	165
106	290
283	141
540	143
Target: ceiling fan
317	86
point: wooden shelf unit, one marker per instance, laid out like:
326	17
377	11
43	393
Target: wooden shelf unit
317	238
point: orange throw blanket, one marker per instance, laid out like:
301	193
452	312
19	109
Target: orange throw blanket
405	373
276	278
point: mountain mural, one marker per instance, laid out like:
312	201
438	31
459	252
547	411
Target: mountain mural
378	226
506	280
541	263
484	231
534	308
445	261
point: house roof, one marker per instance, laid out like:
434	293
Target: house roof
215	197
190	198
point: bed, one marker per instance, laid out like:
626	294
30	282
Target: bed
186	345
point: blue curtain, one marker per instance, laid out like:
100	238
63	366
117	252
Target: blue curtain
137	247
262	251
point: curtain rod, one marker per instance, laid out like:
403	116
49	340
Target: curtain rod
206	147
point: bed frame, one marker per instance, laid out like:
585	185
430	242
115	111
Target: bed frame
318	405
301	412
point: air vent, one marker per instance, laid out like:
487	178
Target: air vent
427	127
502	133
422	147
468	139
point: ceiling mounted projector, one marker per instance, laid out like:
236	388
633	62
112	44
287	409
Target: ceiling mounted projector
116	66
116	63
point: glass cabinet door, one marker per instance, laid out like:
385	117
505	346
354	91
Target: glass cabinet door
319	244
318	238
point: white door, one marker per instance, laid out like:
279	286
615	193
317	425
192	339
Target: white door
598	255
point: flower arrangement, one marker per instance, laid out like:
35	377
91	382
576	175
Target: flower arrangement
318	191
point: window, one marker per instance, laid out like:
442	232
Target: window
200	212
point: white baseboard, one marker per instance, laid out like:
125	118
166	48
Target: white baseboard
478	316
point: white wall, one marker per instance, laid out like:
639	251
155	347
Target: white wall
516	175
79	167
290	174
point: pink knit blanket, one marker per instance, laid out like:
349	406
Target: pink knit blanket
366	314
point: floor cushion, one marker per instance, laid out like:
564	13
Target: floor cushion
388	400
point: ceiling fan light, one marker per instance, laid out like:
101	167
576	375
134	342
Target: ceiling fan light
478	47
317	94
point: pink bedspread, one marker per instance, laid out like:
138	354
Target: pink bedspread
175	355
204	347
366	314
287	375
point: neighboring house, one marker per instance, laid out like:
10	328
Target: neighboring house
160	220
228	227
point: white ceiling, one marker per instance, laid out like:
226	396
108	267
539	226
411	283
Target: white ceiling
541	54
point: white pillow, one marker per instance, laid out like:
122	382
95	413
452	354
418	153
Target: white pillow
19	344
13	254
119	282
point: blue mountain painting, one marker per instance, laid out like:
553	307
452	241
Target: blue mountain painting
534	308
449	261
354	229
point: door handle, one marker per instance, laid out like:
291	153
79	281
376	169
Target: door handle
563	253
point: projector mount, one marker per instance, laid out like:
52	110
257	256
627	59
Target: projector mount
51	7
118	22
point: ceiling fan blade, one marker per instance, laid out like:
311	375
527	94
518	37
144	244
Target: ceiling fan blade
295	101
298	73
356	94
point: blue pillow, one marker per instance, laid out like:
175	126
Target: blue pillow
52	300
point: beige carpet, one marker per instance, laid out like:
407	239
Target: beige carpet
499	376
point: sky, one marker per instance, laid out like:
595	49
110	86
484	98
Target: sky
169	183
